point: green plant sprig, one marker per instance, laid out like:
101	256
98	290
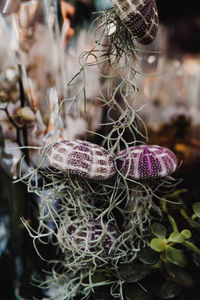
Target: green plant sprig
166	245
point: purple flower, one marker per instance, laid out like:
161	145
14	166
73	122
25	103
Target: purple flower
140	17
82	158
147	161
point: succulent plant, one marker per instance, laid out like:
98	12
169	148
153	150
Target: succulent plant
82	158
148	277
167	246
146	162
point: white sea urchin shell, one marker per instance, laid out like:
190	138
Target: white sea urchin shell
82	158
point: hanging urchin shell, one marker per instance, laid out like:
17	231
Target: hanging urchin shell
82	158
140	17
147	161
87	237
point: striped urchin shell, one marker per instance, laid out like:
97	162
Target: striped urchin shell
140	17
92	235
82	158
147	161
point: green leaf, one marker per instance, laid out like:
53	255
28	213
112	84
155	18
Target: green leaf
102	292
173	223
175	256
186	233
148	256
159	230
158	245
98	277
176	237
180	276
133	272
169	290
133	292
196	208
192	247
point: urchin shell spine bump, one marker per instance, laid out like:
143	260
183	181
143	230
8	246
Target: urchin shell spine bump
146	162
82	158
140	17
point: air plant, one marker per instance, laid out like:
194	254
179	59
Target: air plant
86	242
79	179
114	55
76	189
71	193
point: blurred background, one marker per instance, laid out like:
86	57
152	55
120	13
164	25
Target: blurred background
40	45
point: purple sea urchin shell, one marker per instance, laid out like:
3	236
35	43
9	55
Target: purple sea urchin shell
91	235
140	17
82	158
147	161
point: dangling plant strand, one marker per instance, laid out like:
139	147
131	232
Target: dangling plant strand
111	34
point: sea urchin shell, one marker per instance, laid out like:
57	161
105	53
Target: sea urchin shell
140	17
91	236
82	158
147	161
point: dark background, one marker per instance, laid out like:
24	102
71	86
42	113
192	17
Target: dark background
182	20
174	10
